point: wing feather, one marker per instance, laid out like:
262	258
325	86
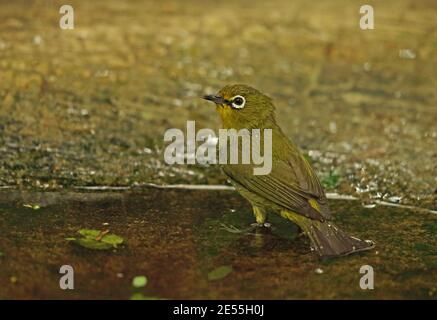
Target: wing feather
286	186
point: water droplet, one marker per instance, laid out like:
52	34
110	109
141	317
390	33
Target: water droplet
332	127
102	73
398	94
395	199
407	54
37	40
367	66
177	102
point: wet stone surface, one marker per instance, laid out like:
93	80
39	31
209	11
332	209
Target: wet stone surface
196	244
90	106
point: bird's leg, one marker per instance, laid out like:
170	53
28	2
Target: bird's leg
260	217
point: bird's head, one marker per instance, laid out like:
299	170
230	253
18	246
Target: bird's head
241	106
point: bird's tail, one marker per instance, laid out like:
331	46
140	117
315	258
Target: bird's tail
327	240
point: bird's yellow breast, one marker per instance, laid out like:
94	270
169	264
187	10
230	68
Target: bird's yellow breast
227	115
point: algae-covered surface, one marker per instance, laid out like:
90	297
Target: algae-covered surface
89	107
196	245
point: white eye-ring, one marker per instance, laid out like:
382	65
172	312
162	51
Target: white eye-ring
238	102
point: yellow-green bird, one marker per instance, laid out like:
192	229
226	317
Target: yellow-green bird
292	188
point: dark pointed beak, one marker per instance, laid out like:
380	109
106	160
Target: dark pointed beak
215	98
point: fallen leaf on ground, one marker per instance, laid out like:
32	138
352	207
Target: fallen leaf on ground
139	281
96	239
220	272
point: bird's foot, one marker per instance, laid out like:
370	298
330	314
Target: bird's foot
232	229
261	225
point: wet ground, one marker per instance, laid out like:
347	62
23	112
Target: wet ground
176	238
89	107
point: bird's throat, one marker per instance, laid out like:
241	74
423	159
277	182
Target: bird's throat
230	120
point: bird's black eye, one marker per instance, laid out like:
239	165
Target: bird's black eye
238	102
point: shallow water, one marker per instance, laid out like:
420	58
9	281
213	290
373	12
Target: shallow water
176	237
90	106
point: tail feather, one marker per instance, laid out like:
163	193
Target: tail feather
327	240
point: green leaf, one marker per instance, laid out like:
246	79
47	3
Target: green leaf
139	281
95	239
112	239
219	273
32	206
93	244
89	233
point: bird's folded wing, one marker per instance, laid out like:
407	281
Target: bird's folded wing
287	186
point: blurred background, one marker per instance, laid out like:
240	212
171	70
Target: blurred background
89	106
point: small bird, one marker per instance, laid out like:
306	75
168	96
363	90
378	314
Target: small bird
291	189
